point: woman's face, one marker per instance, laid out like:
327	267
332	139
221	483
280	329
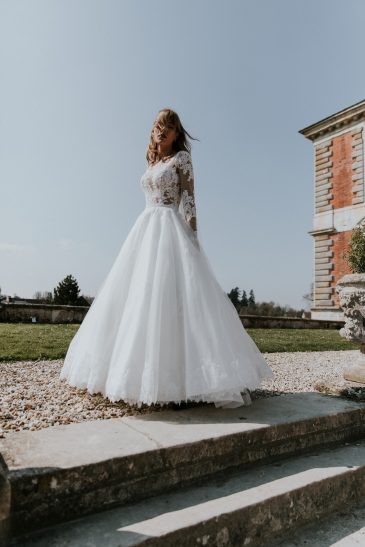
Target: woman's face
164	135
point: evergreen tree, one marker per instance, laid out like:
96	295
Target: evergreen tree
234	296
67	292
251	300
244	299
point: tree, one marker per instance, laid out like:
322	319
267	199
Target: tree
67	292
47	296
234	295
89	298
244	300
251	300
355	254
44	297
309	297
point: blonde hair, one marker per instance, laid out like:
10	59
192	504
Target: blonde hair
168	117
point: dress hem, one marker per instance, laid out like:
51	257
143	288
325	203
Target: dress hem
221	398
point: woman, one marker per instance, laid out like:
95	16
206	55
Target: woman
161	329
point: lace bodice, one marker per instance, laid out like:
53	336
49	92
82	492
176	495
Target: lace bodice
172	183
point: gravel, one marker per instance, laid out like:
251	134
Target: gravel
33	397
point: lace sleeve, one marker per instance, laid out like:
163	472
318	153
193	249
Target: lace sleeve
187	204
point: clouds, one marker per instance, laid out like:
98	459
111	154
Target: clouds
16	248
21	249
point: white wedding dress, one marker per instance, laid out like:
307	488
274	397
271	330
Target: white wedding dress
161	329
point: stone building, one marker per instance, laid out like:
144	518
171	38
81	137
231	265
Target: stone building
338	143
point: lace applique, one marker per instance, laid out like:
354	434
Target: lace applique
185	169
172	183
161	184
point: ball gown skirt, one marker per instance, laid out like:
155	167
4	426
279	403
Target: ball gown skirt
161	329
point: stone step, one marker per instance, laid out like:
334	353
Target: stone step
344	528
82	468
252	507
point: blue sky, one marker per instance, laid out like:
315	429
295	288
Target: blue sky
81	82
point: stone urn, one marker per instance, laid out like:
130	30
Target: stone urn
351	291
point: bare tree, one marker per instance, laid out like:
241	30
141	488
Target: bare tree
309	297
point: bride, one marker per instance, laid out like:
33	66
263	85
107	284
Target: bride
161	329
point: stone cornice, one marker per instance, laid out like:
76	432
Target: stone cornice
342	119
322	231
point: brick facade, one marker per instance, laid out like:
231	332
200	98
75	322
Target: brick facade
357	166
339	266
342	171
338	143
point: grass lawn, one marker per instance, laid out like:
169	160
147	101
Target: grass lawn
29	341
26	342
272	340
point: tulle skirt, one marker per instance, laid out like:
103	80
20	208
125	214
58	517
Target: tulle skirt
161	329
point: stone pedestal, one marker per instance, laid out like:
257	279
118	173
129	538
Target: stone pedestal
356	372
351	290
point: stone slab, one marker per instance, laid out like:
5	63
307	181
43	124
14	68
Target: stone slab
345	528
243	508
86	467
88	442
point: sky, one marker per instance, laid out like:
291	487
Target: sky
81	83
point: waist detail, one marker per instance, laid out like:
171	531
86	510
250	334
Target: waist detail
169	205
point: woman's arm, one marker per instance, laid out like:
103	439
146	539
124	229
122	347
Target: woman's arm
186	173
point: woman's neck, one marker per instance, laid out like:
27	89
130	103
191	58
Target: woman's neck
163	152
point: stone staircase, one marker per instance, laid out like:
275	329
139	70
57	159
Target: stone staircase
199	476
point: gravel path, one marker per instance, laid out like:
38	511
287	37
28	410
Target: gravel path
32	395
